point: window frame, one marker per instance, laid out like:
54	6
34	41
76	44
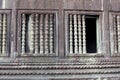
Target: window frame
32	11
99	33
111	24
8	25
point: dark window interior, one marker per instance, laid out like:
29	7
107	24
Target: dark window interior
91	38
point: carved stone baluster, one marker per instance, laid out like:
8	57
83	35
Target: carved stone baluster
51	34
41	33
4	33
46	35
36	34
115	34
32	41
84	33
75	34
118	32
79	30
23	33
71	35
0	33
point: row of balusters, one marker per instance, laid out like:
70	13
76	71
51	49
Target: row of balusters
3	33
41	33
116	21
77	34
